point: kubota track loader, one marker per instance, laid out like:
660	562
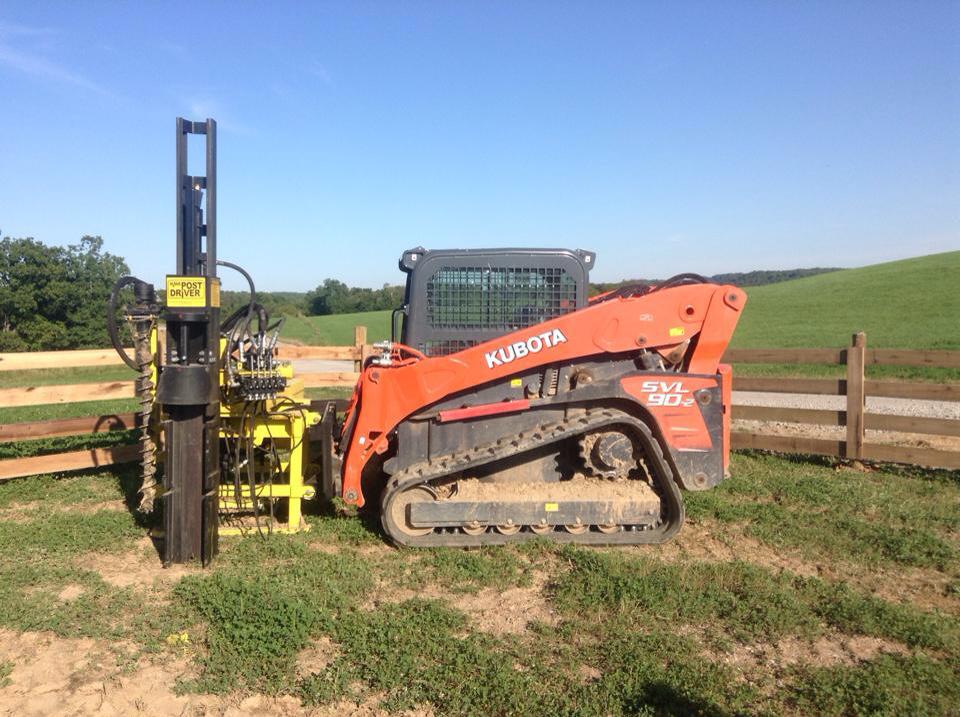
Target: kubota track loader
515	407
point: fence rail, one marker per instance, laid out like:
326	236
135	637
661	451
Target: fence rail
853	387
81	358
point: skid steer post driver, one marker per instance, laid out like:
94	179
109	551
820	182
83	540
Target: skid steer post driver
507	406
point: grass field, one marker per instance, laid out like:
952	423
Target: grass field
912	303
336	329
794	588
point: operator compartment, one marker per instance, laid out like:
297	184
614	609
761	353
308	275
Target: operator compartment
458	298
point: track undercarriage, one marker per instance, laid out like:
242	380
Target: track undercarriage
609	484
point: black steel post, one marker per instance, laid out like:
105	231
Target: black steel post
189	382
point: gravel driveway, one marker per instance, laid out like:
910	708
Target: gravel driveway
321	366
896	406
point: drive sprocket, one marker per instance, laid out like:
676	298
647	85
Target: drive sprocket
608	453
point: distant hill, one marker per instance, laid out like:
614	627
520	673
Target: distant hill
767	276
758	277
913	303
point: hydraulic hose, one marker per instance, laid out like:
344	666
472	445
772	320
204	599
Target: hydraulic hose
112	329
234	335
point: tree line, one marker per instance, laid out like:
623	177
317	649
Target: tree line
54	297
737	278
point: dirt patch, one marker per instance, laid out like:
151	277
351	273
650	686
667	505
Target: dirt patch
510	611
58	676
707	540
139	566
588	674
316	656
923	588
828	651
497	611
70	592
725	542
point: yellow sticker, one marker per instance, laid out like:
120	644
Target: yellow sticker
186	291
677	331
551	507
215	292
516	382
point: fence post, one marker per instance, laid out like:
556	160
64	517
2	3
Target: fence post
359	343
856	398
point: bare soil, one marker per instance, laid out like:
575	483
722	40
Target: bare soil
499	612
139	566
713	541
59	677
827	651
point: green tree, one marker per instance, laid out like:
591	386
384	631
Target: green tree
328	298
54	297
335	297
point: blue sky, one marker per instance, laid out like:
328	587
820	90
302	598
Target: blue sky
668	137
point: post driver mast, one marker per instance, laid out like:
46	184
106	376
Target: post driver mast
189	389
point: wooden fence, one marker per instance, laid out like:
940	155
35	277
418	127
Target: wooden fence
854	417
854	387
75	393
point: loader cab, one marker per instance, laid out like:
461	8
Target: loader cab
457	298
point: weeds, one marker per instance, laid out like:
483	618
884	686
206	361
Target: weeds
258	618
632	635
468	571
888	685
53	491
63	444
738	599
851	516
68	601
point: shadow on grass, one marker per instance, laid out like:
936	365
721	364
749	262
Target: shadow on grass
129	481
832	462
669	702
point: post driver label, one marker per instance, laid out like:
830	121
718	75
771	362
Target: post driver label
186	291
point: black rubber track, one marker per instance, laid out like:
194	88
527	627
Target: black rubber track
672	512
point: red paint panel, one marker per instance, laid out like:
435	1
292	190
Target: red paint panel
672	402
486	409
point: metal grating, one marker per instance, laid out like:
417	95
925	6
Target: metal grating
498	299
446	347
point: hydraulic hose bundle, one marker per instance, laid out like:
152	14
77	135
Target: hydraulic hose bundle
142	318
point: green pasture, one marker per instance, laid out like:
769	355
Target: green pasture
793	589
336	329
913	303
